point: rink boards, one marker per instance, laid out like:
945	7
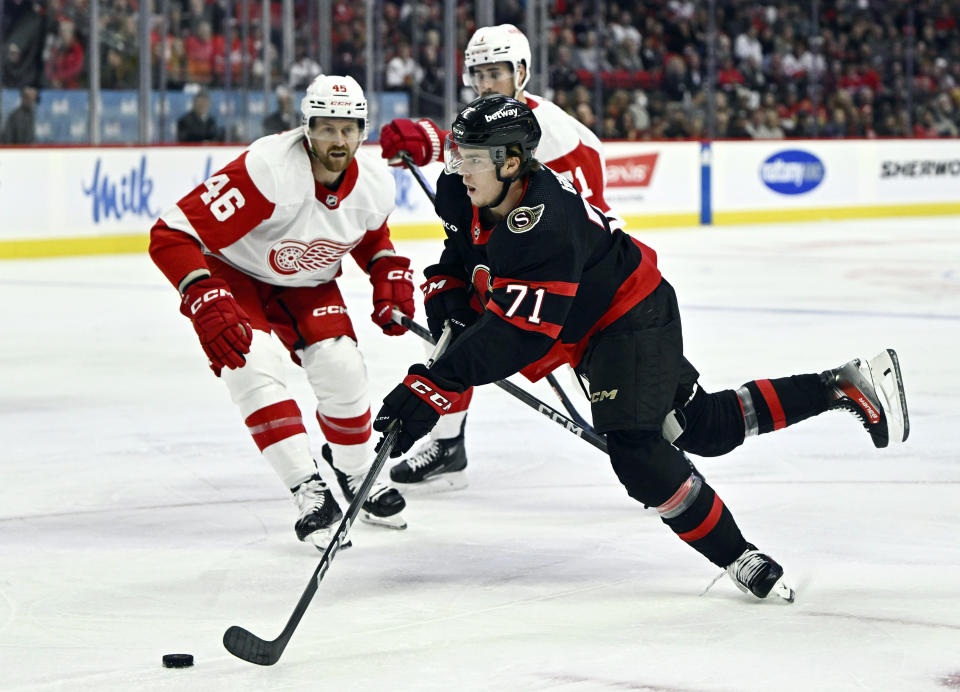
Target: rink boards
69	201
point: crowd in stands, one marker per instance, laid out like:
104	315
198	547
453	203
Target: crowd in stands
855	68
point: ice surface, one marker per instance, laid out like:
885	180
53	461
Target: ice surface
137	518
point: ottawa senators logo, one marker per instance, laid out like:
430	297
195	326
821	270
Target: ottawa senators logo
291	256
522	219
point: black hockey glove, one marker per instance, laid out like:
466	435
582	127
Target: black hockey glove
418	402
445	297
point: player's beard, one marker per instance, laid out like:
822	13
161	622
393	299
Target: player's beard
334	164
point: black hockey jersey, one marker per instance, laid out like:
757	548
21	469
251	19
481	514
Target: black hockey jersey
549	275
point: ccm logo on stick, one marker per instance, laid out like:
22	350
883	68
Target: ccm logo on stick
330	310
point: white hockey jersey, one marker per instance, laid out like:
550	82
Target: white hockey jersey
265	214
570	148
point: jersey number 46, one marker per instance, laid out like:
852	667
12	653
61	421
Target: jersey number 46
221	206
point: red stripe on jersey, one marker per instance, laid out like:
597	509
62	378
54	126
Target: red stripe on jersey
706	526
551	330
637	286
345	431
773	403
562	288
233	208
374	240
274	423
584	168
174	252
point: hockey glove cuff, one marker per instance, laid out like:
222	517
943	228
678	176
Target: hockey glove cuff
420	139
392	287
417	403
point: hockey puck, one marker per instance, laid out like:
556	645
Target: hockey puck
177	660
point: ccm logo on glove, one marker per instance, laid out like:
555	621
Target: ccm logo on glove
208	297
440	403
399	275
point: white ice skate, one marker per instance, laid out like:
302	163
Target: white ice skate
873	391
319	512
383	505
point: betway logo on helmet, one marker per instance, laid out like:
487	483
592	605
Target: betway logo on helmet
502	113
631	171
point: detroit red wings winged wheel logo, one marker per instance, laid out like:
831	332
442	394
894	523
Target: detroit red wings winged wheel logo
291	256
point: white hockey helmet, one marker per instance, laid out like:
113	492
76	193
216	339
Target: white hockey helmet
331	96
501	43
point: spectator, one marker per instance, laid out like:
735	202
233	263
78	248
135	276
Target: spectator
20	127
120	70
283	118
197	125
747	46
303	70
402	70
769	127
199	51
65	65
25	29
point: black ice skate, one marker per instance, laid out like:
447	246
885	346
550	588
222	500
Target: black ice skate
759	574
382	506
873	392
436	466
319	512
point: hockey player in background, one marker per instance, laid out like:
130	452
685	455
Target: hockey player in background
496	61
565	287
256	249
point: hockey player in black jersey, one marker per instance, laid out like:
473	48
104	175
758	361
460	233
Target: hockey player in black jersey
531	276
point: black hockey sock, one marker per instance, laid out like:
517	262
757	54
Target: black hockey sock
699	517
774	404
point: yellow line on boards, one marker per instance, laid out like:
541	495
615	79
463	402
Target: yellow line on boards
726	218
138	242
60	247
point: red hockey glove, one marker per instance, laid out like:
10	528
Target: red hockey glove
421	139
418	404
392	287
222	325
445	298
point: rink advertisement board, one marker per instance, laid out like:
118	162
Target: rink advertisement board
803	180
104	197
61	201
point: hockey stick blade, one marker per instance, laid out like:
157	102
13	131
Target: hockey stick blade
248	646
245	644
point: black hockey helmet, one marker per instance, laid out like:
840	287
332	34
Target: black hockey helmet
494	123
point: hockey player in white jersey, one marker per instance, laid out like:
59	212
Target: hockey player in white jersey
496	61
255	250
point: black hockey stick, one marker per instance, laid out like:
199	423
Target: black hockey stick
248	646
585	431
551	380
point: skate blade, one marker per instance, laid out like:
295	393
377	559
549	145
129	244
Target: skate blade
885	372
782	591
320	539
442	483
396	521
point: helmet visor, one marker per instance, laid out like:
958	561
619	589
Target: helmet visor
328	130
467	160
